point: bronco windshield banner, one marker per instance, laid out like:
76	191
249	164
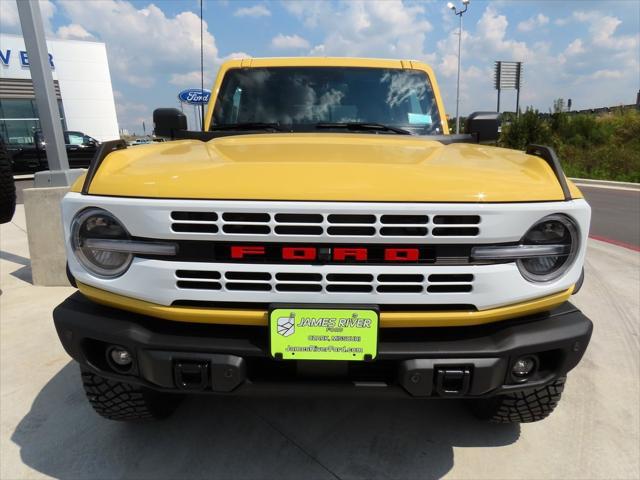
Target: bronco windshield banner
323	334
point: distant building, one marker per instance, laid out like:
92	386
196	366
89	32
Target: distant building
82	83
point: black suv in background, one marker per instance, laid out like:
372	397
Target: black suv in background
32	157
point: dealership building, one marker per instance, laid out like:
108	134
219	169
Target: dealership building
82	85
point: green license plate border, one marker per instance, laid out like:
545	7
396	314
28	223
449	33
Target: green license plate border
322	306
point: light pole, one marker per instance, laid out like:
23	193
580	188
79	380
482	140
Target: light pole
459	13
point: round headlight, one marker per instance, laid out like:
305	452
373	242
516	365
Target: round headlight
95	223
552	230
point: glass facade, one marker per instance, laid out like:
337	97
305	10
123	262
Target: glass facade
19	120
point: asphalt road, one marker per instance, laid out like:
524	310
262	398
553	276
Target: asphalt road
615	218
615	215
49	430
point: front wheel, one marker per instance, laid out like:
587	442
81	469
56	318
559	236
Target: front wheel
7	187
520	407
124	401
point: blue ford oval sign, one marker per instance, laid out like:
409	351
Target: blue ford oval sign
194	96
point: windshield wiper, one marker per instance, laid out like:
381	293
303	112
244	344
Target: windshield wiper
249	126
364	126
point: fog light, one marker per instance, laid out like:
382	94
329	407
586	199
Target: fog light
120	356
523	368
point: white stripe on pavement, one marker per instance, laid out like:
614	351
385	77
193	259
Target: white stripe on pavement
607	187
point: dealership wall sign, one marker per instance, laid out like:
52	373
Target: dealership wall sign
8	55
194	96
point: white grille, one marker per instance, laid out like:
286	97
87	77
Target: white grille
484	286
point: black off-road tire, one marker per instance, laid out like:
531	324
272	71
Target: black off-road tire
520	407
124	401
7	187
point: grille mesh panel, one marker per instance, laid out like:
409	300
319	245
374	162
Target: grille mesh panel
347	282
324	224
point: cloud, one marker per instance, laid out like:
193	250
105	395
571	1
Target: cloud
148	50
10	20
492	37
606	74
390	28
73	31
551	70
603	31
289	42
534	22
311	12
144	44
192	79
256	11
575	48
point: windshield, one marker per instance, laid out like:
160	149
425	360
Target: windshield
298	98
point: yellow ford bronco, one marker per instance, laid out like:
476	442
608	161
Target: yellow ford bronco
324	232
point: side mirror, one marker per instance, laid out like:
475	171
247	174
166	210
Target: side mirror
485	126
167	121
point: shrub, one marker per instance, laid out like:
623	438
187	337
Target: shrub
589	146
528	128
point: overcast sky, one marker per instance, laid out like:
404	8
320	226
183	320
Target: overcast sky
584	50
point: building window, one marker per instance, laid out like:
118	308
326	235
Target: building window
19	120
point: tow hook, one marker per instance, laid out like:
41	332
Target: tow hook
192	376
452	382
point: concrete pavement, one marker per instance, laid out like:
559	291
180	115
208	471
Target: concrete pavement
49	430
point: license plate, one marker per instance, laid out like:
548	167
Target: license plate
323	333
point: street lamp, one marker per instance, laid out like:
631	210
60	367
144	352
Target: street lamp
451	6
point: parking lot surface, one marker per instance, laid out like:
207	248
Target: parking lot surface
49	430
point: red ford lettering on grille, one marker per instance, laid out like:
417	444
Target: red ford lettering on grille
358	254
325	254
298	253
401	254
240	251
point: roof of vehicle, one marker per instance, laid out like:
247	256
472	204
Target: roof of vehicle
324	62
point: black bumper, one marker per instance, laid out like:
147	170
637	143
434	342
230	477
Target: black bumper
425	362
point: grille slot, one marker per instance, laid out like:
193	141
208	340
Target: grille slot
403	231
298	277
199	285
456	219
298	230
194	228
197	216
349	288
249	287
449	288
343	218
298	287
264	276
400	288
455	232
400	278
349	277
404	219
246	217
298	218
206	274
246	229
352	231
451	277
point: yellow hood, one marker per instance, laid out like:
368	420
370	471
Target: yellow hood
325	166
